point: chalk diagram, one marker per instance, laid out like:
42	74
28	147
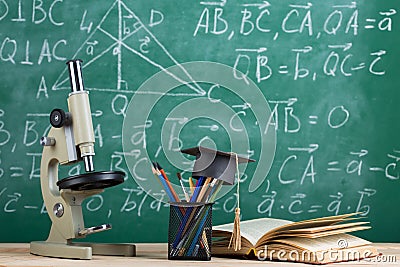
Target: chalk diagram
122	37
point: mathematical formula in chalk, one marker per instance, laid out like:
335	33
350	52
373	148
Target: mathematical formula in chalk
257	19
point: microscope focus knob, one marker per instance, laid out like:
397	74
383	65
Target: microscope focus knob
59	118
47	141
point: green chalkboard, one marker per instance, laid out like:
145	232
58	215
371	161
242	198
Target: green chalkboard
308	89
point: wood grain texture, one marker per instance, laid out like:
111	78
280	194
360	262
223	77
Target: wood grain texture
17	254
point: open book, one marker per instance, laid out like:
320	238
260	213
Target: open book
317	241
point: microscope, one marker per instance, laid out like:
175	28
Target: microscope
69	141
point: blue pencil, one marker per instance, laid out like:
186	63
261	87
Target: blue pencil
182	226
164	183
197	189
197	235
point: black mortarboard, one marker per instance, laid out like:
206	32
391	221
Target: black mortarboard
214	163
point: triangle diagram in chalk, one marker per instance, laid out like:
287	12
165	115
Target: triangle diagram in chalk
120	48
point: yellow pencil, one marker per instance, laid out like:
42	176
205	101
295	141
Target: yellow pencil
191	184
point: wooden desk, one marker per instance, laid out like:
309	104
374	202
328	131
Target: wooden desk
156	255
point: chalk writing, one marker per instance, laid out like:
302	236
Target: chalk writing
331	93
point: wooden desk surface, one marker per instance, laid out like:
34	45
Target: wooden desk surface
156	255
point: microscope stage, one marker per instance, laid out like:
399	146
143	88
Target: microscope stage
92	180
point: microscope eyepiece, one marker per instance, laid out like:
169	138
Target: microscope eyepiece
75	75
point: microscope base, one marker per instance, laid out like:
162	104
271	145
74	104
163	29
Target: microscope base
108	249
59	250
82	251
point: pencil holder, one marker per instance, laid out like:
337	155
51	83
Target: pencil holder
189	231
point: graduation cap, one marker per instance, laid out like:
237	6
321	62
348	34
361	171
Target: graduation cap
213	163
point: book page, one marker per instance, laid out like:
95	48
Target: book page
325	228
318	222
337	242
312	223
287	234
333	217
252	230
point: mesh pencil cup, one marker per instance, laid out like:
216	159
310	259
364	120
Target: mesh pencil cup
189	231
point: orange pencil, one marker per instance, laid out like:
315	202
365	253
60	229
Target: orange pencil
168	182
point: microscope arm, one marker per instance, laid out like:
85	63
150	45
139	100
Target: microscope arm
64	208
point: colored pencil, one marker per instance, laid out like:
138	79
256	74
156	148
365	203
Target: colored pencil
216	190
209	190
203	190
183	187
167	181
163	182
190	236
197	189
191	184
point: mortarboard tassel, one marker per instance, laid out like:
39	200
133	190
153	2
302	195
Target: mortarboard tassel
236	238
